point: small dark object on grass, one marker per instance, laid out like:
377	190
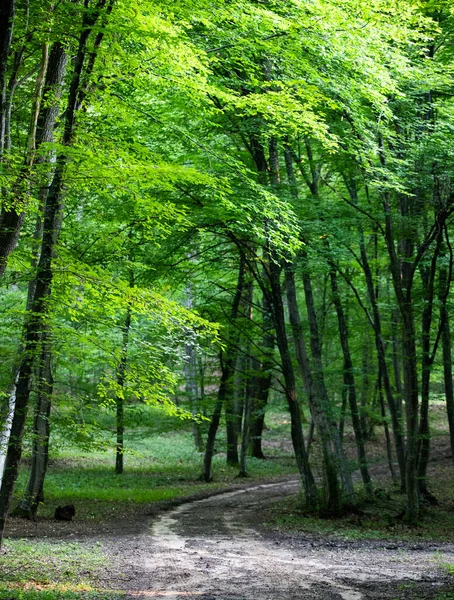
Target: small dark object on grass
65	513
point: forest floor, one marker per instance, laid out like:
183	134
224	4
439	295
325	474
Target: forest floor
181	538
220	548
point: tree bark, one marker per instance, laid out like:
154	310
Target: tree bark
42	126
120	397
350	382
290	386
262	384
37	316
7	12
228	369
28	506
447	355
329	429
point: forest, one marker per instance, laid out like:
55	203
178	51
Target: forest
225	261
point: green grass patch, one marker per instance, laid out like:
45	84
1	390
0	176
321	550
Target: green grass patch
45	563
161	464
32	570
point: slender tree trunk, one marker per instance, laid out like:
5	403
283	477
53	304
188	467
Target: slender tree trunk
411	409
262	385
389	452
447	355
190	374
250	390
228	361
428	278
380	346
350	381
313	395
395	320
232	421
332	433
365	389
7	11
120	398
28	506
6	431
12	216
290	387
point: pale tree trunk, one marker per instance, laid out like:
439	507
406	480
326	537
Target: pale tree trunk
6	431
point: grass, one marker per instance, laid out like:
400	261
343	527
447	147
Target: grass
160	464
40	570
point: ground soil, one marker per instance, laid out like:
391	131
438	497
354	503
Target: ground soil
219	549
223	548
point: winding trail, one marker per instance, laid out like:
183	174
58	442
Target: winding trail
215	549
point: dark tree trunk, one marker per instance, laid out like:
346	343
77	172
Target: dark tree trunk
329	430
290	387
28	506
381	354
7	11
389	452
365	388
37	316
262	385
228	361
313	394
232	424
447	355
395	320
250	390
350	382
120	398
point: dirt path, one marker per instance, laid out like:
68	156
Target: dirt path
216	549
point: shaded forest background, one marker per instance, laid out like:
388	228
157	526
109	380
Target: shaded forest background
209	209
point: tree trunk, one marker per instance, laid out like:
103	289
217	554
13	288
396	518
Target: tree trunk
228	369
447	356
350	382
7	11
233	425
329	430
37	316
290	387
120	398
262	385
28	506
380	346
250	390
42	126
389	452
